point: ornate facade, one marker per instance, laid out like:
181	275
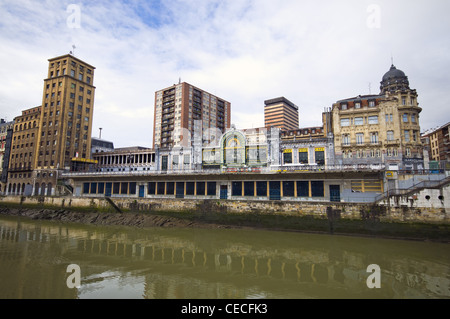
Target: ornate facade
380	129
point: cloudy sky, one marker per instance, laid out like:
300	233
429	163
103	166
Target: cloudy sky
244	51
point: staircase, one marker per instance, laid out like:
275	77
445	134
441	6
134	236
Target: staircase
413	189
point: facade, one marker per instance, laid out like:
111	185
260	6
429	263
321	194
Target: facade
98	146
244	165
380	129
307	148
23	152
437	143
56	135
183	110
129	159
281	113
6	131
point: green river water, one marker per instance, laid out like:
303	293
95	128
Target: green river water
166	263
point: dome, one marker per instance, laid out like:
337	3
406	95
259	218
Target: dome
394	73
394	80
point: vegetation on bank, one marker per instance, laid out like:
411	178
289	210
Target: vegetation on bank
273	221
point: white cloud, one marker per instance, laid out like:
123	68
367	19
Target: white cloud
245	51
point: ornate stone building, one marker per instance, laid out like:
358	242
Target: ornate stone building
380	129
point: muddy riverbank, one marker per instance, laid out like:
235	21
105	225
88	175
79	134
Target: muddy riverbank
101	218
213	220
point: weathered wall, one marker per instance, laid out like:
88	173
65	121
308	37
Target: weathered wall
320	210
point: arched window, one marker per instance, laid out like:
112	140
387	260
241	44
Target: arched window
43	189
49	189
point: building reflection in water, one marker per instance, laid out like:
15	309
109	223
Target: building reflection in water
211	264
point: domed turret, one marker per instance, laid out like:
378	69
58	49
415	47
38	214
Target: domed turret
394	80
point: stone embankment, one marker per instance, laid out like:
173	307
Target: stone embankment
96	218
332	218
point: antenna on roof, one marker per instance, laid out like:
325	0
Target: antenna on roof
73	52
179	81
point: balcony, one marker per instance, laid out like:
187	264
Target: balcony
392	142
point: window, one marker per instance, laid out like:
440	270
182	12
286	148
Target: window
390	135
359	138
320	156
236	189
373	119
359	121
343	106
187	159
407	139
151	188
261	189
317	189
303	156
72	73
371	103
211	188
357	105
413	118
170	188
403	100
303	189
408	152
288	189
287	157
80	77
405	118
374	138
345	122
249	188
161	188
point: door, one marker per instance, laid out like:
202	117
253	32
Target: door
108	189
164	163
179	190
335	193
141	191
223	192
274	190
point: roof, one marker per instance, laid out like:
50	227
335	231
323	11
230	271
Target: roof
361	97
280	100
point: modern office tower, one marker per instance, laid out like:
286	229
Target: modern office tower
281	113
383	128
23	151
184	111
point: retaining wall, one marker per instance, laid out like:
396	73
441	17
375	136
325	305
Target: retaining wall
294	208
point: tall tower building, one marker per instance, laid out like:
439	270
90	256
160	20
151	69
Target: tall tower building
67	109
281	113
65	124
51	137
183	110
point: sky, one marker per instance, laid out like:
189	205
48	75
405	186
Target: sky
313	53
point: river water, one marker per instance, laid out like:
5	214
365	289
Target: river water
165	263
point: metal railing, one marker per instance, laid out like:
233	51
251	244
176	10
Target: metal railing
413	189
